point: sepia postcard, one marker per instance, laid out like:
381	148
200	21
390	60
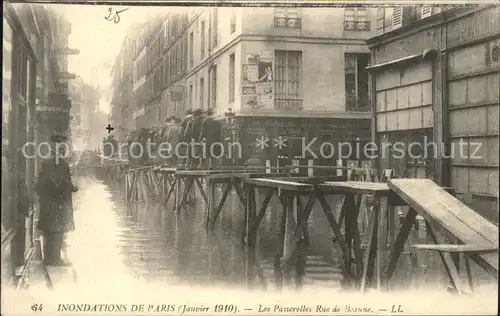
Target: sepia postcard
250	158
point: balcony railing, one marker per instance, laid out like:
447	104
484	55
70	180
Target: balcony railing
294	23
357	104
359	26
288	104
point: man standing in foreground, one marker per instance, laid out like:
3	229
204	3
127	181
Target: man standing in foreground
54	189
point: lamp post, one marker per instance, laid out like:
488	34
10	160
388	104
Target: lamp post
229	117
230	123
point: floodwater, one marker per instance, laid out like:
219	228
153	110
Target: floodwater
148	243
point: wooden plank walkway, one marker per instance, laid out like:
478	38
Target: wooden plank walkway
439	207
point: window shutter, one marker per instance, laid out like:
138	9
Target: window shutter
397	17
426	11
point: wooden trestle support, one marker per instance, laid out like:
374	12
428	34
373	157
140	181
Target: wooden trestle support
367	226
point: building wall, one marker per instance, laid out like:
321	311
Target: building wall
426	38
405	115
201	70
324	36
452	97
84	100
404	98
473	107
323	48
18	118
122	101
322	72
160	65
315	23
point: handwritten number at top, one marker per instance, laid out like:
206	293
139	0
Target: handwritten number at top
115	18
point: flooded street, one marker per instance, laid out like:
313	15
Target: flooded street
146	254
147	243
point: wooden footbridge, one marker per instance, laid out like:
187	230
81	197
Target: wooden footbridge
370	228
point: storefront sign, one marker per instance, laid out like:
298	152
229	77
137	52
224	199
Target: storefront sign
265	85
258	72
253	134
249	93
176	93
250	73
265	95
292	132
40	108
249	89
139	112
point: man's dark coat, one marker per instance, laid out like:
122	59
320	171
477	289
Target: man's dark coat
54	189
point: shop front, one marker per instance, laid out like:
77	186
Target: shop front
279	142
18	108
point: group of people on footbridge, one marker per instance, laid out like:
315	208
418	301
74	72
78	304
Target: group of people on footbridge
196	127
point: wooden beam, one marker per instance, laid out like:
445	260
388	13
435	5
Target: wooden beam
456	248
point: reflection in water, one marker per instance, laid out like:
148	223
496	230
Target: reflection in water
145	242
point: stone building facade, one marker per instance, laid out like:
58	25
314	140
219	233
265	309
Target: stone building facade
288	71
35	104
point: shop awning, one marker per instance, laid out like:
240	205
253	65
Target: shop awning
426	54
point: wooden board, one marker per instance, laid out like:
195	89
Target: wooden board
167	170
435	204
457	248
200	173
333	168
357	187
238	175
280	184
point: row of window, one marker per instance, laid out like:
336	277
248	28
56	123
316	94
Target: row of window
208	37
390	18
173	26
212	91
140	67
170	30
355	19
164	67
287	80
172	67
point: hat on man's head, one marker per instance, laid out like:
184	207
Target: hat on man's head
58	138
198	112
